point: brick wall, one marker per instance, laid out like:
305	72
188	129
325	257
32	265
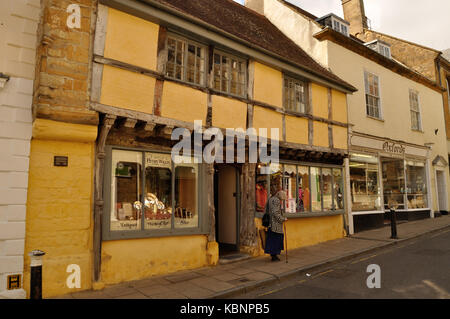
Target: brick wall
18	26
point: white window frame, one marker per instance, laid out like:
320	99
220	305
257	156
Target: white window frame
366	85
337	26
419	110
383	48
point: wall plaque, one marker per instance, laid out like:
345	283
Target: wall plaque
61	161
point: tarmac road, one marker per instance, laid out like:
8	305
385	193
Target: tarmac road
415	269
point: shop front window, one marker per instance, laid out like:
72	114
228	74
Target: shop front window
290	187
262	189
327	189
416	185
304	193
149	184
364	183
186	207
393	183
338	189
316	193
158	191
126	191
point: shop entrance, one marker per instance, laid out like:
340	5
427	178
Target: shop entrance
441	190
226	199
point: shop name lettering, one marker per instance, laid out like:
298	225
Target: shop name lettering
393	148
232	308
213	152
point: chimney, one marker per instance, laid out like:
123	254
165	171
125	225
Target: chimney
355	14
255	5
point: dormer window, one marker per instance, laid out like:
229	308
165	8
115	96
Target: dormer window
381	47
333	21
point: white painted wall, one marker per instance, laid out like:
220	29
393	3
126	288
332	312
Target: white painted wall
18	26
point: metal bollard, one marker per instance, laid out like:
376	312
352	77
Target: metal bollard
36	274
393	224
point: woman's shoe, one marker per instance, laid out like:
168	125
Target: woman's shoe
275	258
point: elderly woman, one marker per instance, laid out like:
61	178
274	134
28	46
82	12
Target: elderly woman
275	235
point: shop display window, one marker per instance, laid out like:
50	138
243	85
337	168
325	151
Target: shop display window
364	183
149	184
338	189
393	183
304	193
262	189
158	191
316	193
290	186
416	186
186	181
327	190
306	187
126	191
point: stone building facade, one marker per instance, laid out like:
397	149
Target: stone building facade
18	27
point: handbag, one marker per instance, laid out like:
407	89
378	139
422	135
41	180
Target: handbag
266	216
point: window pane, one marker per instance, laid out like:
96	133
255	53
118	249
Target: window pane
186	207
393	183
290	187
275	178
303	189
191	64
416	185
262	189
217	71
364	186
316	196
327	189
126	191
338	189
158	191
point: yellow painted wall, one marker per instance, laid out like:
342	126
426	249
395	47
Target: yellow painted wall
302	232
131	39
297	130
340	137
228	113
268	85
133	259
265	118
183	103
319	100
128	90
320	134
59	204
339	106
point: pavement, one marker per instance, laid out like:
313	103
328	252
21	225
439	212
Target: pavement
232	279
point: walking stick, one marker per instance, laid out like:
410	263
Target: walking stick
285	239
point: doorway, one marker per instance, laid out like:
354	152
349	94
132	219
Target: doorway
226	199
441	190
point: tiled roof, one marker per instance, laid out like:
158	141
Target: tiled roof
254	28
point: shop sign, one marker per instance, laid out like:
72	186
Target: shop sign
393	148
158	160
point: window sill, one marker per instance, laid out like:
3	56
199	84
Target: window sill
307	214
124	235
375	118
417	131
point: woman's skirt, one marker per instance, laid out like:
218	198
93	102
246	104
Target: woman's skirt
274	243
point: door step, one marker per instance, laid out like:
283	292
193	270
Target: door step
232	258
